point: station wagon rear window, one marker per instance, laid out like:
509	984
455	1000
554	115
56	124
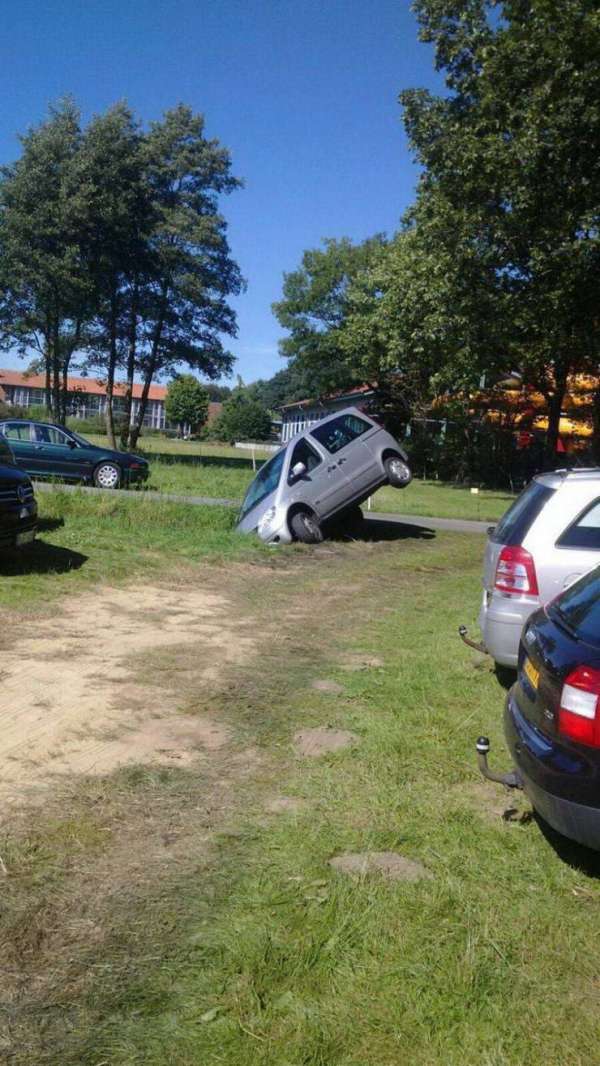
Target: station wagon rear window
265	482
514	526
339	432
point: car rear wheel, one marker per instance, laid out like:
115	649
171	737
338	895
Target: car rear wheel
107	476
397	471
306	528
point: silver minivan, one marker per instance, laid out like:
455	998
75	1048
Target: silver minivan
548	538
321	473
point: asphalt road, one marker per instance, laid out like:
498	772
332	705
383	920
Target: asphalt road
456	525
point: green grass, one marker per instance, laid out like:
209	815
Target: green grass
84	539
171	446
249	950
437	499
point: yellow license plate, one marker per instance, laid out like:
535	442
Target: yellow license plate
531	673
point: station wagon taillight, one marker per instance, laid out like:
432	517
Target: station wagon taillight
515	572
578	716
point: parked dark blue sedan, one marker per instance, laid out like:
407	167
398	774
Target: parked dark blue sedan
552	717
46	450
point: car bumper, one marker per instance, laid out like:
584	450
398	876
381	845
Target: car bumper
20	531
136	475
278	533
501	621
533	754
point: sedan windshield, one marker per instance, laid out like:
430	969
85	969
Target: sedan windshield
265	482
80	440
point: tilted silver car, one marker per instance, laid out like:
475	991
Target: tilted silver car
548	538
321	473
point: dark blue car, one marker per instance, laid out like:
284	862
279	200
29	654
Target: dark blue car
552	716
46	450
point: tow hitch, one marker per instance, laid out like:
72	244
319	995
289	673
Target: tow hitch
463	633
510	779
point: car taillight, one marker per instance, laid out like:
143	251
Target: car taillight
578	716
515	572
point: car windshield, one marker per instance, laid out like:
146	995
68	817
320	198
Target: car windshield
265	482
80	440
579	608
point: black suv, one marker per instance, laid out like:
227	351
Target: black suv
18	509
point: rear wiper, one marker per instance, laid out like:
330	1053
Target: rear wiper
562	621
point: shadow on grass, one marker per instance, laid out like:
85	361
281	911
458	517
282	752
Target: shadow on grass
46	525
575	855
41	558
378	529
505	675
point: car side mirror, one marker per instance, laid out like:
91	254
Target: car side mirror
298	471
72	443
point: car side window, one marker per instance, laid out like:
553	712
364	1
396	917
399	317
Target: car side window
17	430
339	432
303	453
49	435
584	532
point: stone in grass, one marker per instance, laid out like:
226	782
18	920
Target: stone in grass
388	863
328	686
323	740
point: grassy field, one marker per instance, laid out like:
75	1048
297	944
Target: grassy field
84	539
171	446
182	917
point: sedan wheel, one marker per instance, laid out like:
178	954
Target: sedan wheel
107	476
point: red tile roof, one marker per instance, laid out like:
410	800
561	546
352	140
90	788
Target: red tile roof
90	386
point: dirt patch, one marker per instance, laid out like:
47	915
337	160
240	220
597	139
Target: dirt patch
388	863
284	805
328	686
323	740
79	693
362	662
496	802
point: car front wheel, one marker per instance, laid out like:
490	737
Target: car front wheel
107	476
305	527
398	472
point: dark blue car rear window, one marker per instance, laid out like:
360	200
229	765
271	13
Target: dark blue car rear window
579	608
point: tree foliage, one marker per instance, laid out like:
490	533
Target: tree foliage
186	402
112	246
242	418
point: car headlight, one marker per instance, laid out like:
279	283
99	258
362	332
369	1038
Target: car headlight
267	519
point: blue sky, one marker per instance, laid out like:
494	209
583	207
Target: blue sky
302	92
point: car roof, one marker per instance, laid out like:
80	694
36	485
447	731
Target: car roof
33	422
324	421
554	478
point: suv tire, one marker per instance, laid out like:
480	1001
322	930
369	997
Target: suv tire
397	471
305	528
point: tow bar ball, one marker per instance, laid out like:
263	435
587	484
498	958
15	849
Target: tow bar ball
510	779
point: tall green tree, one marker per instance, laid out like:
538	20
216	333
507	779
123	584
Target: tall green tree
45	290
113	206
314	307
242	418
510	163
185	310
186	402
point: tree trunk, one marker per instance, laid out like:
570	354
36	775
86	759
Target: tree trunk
596	425
55	407
131	355
136	429
555	405
110	376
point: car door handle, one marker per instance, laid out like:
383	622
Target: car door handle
38	447
342	460
330	469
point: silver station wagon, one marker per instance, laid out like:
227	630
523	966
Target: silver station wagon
321	474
